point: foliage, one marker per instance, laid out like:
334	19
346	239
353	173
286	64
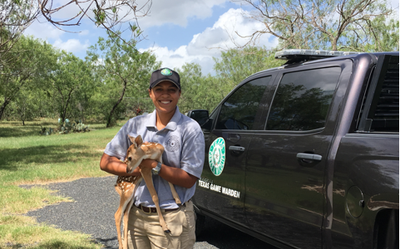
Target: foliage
123	70
24	106
112	83
198	91
321	24
66	126
205	92
30	63
16	15
47	131
237	64
384	33
72	75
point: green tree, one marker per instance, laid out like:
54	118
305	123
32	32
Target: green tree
211	98
205	92
321	24
385	34
16	15
237	64
70	76
32	63
123	70
191	82
198	91
25	107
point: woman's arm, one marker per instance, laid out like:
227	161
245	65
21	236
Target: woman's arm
114	166
173	175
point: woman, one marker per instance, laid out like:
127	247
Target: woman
182	165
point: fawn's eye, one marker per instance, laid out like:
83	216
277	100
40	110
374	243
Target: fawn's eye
129	158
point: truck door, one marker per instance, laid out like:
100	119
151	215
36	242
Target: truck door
221	189
286	162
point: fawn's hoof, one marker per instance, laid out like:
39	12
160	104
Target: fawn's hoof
167	231
178	202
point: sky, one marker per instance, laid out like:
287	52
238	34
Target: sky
176	31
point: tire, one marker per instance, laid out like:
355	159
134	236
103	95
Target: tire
388	230
200	223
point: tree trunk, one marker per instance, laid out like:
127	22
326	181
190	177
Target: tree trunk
116	105
64	111
3	107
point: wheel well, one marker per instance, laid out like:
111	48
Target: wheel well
386	230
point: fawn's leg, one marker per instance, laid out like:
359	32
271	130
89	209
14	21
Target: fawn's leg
118	215
126	218
125	189
175	194
147	176
173	191
127	211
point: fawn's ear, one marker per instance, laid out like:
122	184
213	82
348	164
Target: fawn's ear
138	140
132	139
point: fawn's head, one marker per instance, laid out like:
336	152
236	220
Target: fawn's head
135	154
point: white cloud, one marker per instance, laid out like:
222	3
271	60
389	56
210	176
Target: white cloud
177	12
201	49
209	41
70	42
84	32
71	45
43	30
169	58
239	28
208	44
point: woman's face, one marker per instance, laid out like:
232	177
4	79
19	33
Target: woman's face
165	97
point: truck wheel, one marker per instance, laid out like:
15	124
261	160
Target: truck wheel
387	230
200	223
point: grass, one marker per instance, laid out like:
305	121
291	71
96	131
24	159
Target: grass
28	158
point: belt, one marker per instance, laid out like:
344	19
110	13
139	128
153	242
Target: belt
151	210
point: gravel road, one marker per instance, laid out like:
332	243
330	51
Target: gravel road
92	212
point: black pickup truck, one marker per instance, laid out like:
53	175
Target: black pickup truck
306	155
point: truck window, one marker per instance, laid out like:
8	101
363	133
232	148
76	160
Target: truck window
238	112
302	99
380	108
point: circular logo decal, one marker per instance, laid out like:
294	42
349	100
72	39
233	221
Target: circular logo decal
216	156
173	144
166	72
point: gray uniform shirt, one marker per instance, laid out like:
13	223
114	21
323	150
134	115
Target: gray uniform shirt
184	148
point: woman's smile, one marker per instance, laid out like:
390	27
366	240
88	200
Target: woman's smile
165	96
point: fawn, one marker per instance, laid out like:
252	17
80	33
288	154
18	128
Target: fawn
126	185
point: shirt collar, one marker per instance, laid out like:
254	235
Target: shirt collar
172	124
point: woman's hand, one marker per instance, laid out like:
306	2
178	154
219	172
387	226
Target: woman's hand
173	175
114	166
148	163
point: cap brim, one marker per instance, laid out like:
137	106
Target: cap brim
164	80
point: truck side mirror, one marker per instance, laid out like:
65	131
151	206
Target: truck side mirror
201	116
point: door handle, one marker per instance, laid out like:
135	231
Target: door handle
308	156
236	148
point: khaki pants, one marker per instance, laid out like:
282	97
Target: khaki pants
145	232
